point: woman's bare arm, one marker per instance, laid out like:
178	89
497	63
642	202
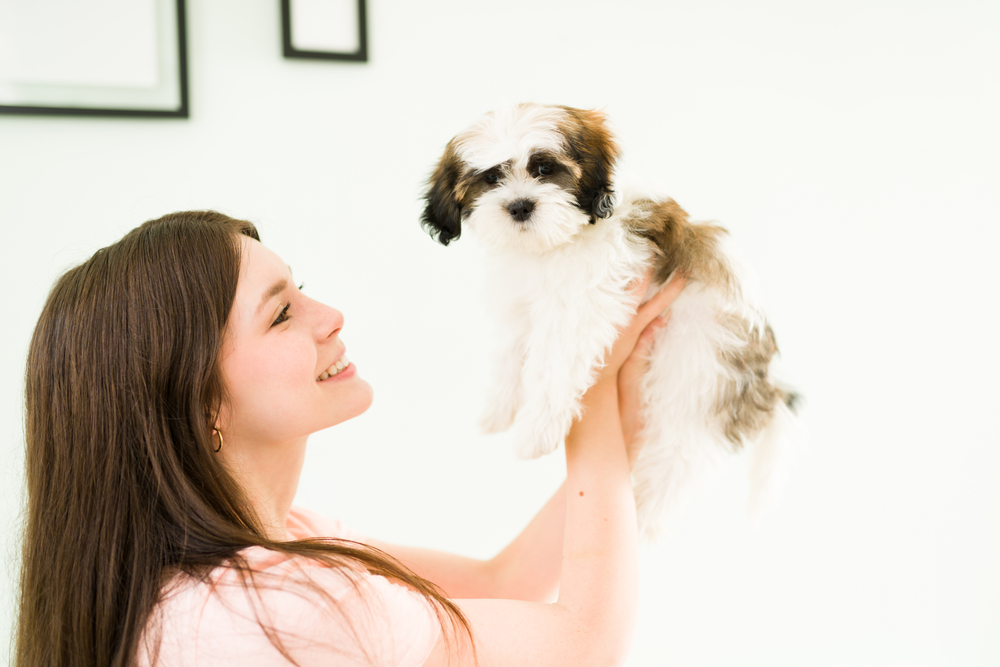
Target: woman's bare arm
526	569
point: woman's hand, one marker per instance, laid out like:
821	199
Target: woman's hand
645	315
637	362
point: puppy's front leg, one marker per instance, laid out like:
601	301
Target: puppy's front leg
563	351
506	394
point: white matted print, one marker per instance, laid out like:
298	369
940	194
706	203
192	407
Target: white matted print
67	42
93	57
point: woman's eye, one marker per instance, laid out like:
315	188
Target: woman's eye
491	177
544	169
283	316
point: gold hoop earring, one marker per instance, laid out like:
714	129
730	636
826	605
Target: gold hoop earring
219	449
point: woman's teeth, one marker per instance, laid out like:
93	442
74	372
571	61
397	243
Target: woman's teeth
337	366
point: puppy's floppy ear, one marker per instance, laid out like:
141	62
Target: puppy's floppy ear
442	217
593	147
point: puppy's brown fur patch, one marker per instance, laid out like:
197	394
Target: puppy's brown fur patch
681	245
745	403
565	172
471	184
591	145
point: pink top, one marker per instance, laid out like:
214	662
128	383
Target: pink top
375	623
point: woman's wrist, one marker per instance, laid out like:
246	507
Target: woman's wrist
604	390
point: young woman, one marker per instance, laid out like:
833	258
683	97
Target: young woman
172	382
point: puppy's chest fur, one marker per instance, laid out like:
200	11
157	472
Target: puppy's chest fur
595	267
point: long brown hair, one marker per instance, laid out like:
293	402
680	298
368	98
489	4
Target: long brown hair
123	489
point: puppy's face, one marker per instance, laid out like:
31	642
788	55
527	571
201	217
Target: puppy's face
528	177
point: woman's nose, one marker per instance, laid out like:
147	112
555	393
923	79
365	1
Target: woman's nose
329	321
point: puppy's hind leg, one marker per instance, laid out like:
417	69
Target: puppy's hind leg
678	393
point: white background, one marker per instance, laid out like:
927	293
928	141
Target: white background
851	148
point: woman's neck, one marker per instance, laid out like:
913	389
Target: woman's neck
269	475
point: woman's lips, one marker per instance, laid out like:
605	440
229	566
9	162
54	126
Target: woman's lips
336	369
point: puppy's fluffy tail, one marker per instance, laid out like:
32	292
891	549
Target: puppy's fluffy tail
772	458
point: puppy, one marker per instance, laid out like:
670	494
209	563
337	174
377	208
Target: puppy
536	183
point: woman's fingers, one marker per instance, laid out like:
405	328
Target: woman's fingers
638	287
648	334
629	381
645	314
662	299
642	346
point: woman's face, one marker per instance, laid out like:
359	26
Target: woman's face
278	344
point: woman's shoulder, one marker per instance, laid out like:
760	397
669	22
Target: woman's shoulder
320	614
303	523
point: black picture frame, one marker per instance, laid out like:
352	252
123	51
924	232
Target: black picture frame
135	107
291	51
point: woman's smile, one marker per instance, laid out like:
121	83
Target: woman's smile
339	370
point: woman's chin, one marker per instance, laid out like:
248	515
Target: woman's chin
356	401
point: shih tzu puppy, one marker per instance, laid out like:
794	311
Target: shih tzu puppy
536	184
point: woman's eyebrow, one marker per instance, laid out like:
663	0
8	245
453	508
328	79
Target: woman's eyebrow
276	288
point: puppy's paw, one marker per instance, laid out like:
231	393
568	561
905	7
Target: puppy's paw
527	447
497	418
534	439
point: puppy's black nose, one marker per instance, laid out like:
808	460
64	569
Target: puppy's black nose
521	209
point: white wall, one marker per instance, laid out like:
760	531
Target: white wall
851	148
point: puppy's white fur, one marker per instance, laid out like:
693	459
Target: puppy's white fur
559	284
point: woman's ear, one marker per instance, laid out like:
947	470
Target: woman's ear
442	217
593	147
218	417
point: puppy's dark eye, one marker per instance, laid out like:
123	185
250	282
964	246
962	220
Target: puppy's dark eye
491	177
544	169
